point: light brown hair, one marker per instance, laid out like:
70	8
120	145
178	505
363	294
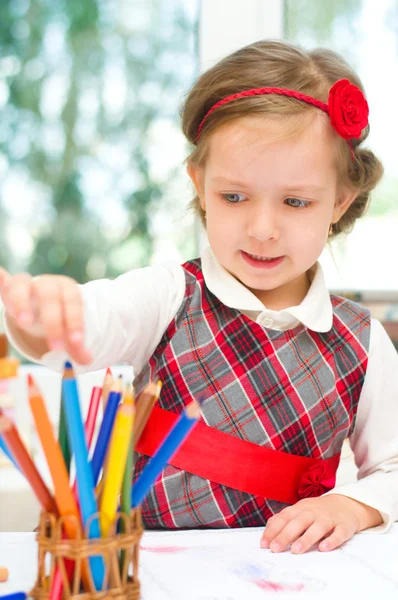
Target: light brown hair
279	64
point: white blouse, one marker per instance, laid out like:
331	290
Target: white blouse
125	320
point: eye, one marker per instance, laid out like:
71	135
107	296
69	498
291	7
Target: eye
234	198
296	203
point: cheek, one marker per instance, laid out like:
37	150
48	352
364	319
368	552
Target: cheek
222	223
311	239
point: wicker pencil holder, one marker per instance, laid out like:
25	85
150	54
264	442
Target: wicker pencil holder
55	551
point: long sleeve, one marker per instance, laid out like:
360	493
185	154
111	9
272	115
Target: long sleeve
125	319
374	440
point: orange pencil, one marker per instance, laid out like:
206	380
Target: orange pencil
106	387
25	463
66	501
63	494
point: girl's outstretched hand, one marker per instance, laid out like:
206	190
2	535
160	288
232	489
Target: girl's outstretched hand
328	521
47	311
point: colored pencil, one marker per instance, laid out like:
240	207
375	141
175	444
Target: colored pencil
14	596
105	431
64	498
3	447
89	424
52	451
127	481
63	435
128	471
91	418
145	402
106	387
187	420
89	428
84	475
14	443
116	463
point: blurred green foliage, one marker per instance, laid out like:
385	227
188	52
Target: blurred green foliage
83	85
333	24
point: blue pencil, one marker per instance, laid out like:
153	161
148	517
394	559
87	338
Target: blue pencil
14	596
105	431
8	454
84	475
173	441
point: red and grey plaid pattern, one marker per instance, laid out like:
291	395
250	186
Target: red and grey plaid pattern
296	391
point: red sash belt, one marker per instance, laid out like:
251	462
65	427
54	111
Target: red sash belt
236	463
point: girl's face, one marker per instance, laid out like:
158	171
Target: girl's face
270	198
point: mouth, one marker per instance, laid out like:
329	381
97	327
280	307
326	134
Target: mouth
259	261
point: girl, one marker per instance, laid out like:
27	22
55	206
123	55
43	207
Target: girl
287	370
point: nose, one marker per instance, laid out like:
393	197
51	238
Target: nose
263	224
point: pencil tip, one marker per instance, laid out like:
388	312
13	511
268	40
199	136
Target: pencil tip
68	365
30	380
108	371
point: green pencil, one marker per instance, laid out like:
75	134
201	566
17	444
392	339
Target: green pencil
63	435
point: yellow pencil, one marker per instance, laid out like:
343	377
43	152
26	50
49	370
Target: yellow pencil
116	462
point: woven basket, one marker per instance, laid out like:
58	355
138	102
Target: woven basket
120	583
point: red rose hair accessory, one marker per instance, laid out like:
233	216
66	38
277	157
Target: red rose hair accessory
347	107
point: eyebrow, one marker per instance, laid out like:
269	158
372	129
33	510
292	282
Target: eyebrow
228	181
307	186
289	188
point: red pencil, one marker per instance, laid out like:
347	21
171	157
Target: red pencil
27	466
106	387
89	425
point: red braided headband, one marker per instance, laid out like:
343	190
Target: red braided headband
346	107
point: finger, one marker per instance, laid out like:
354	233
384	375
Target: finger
73	311
274	526
79	354
16	294
321	527
47	293
74	323
292	531
4	278
340	535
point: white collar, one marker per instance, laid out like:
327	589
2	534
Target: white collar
315	311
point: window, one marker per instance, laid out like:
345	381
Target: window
366	34
91	178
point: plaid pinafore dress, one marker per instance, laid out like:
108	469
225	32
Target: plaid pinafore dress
293	391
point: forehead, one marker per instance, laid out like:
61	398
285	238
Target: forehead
292	146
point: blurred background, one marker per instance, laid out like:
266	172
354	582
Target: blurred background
92	180
90	151
92	176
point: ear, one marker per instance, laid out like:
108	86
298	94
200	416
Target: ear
343	202
196	175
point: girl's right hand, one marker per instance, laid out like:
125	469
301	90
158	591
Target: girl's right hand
47	311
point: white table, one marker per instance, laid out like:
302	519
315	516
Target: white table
229	565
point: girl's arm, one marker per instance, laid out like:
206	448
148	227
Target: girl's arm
374	440
124	319
371	503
